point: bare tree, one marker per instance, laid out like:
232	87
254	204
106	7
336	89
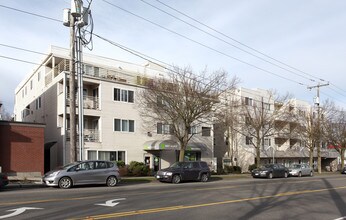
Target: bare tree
227	118
308	131
262	118
4	114
183	99
334	131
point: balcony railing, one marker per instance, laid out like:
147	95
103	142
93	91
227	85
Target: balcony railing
89	102
90	135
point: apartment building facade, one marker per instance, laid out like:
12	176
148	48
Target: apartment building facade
284	145
113	127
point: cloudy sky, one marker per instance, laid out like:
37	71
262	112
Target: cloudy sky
269	44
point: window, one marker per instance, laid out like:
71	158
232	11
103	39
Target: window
121	156
124	125
193	130
26	111
92	155
123	95
88	70
266	106
164	128
248	140
38	76
267	142
248	101
107	155
31	84
206	131
38	103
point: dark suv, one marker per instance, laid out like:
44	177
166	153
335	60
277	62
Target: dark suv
184	171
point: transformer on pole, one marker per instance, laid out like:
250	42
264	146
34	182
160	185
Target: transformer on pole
76	18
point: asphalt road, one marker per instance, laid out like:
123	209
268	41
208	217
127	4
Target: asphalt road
320	197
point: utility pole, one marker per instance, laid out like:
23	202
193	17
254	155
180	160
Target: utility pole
317	103
72	92
76	18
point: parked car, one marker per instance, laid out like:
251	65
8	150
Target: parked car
83	172
300	170
343	171
3	180
270	171
185	171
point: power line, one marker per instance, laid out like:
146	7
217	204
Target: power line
237	41
19	60
206	46
30	13
18	48
220	39
53	19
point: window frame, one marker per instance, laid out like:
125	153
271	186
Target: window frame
120	124
123	95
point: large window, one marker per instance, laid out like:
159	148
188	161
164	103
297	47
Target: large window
38	103
124	125
123	95
193	130
248	140
107	155
248	101
267	142
206	131
164	128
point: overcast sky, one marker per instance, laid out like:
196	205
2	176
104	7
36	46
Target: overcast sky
307	37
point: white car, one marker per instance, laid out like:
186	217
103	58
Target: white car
300	170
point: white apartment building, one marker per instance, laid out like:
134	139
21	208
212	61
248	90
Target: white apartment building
113	127
284	146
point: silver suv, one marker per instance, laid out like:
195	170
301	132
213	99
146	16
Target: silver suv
83	172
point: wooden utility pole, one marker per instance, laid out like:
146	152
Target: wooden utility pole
317	103
72	92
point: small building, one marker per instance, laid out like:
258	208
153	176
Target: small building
22	148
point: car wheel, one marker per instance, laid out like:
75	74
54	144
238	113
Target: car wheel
300	174
112	181
176	179
204	177
286	174
270	176
65	182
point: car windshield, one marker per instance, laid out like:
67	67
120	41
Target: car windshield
296	166
177	165
65	167
267	166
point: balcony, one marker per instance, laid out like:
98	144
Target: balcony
89	102
90	135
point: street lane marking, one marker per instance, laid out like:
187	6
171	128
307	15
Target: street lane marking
173	208
49	200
